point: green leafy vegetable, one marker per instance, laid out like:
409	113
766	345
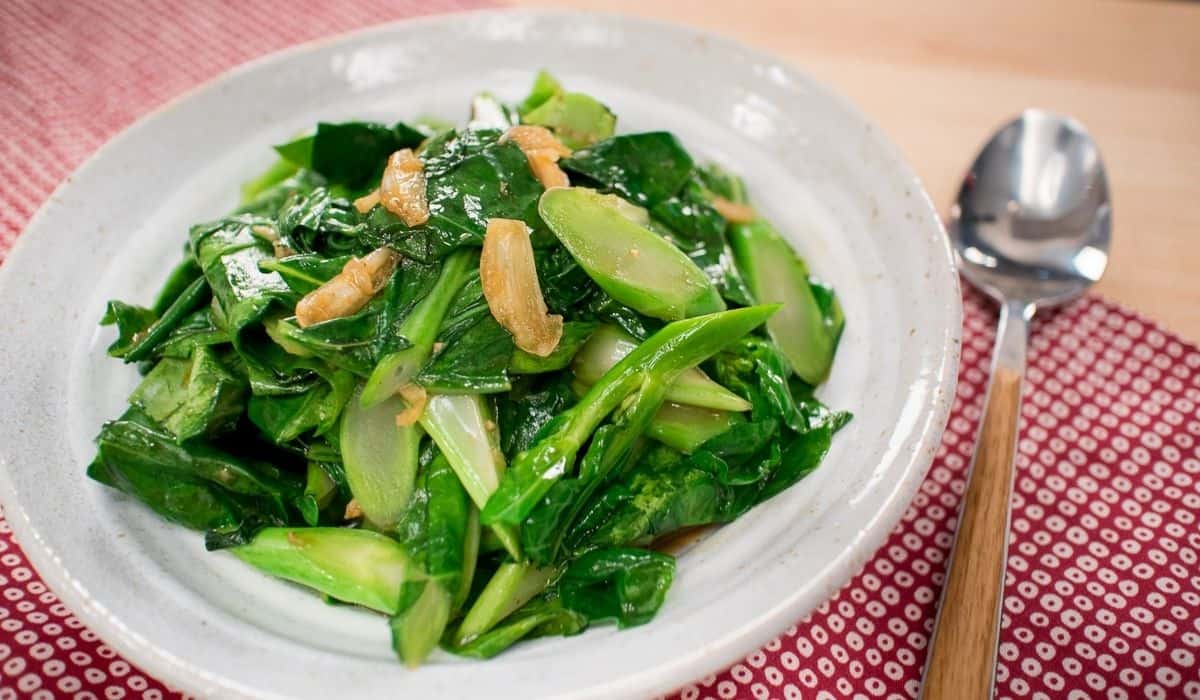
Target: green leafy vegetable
626	585
463	429
655	363
406	457
195	485
192	398
380	459
353	566
635	266
576	119
510	587
440	527
644	168
609	345
418	331
351	153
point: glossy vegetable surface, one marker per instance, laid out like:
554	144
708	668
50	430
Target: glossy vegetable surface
418	373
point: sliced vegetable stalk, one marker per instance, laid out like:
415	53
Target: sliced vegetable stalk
320	490
472	541
489	113
578	120
419	624
279	171
353	566
463	429
620	584
776	274
663	356
380	459
439	531
633	264
609	345
686	428
513	585
420	329
544	87
184	274
542	616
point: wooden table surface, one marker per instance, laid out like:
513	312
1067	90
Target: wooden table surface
939	76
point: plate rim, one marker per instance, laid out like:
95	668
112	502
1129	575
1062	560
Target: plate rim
737	641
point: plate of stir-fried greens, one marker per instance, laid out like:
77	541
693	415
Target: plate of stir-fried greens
460	395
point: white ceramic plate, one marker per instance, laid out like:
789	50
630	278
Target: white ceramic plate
209	625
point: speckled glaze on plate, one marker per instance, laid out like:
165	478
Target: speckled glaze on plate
208	625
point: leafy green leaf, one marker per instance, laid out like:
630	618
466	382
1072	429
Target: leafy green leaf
283	418
474	361
645	168
140	333
626	585
229	254
529	406
319	221
700	232
353	153
298	151
192	397
198	329
131	321
194	484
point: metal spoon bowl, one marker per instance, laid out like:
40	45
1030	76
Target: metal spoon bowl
1033	221
1031	228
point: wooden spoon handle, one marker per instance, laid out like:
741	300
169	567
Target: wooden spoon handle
963	649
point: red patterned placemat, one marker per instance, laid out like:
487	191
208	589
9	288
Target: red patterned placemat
1103	587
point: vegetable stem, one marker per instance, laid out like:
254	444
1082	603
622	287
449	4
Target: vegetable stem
380	459
353	566
776	274
664	356
636	266
462	427
609	344
420	329
513	585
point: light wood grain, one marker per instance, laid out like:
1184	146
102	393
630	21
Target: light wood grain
940	76
963	650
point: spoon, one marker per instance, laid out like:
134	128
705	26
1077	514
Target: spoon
1031	229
